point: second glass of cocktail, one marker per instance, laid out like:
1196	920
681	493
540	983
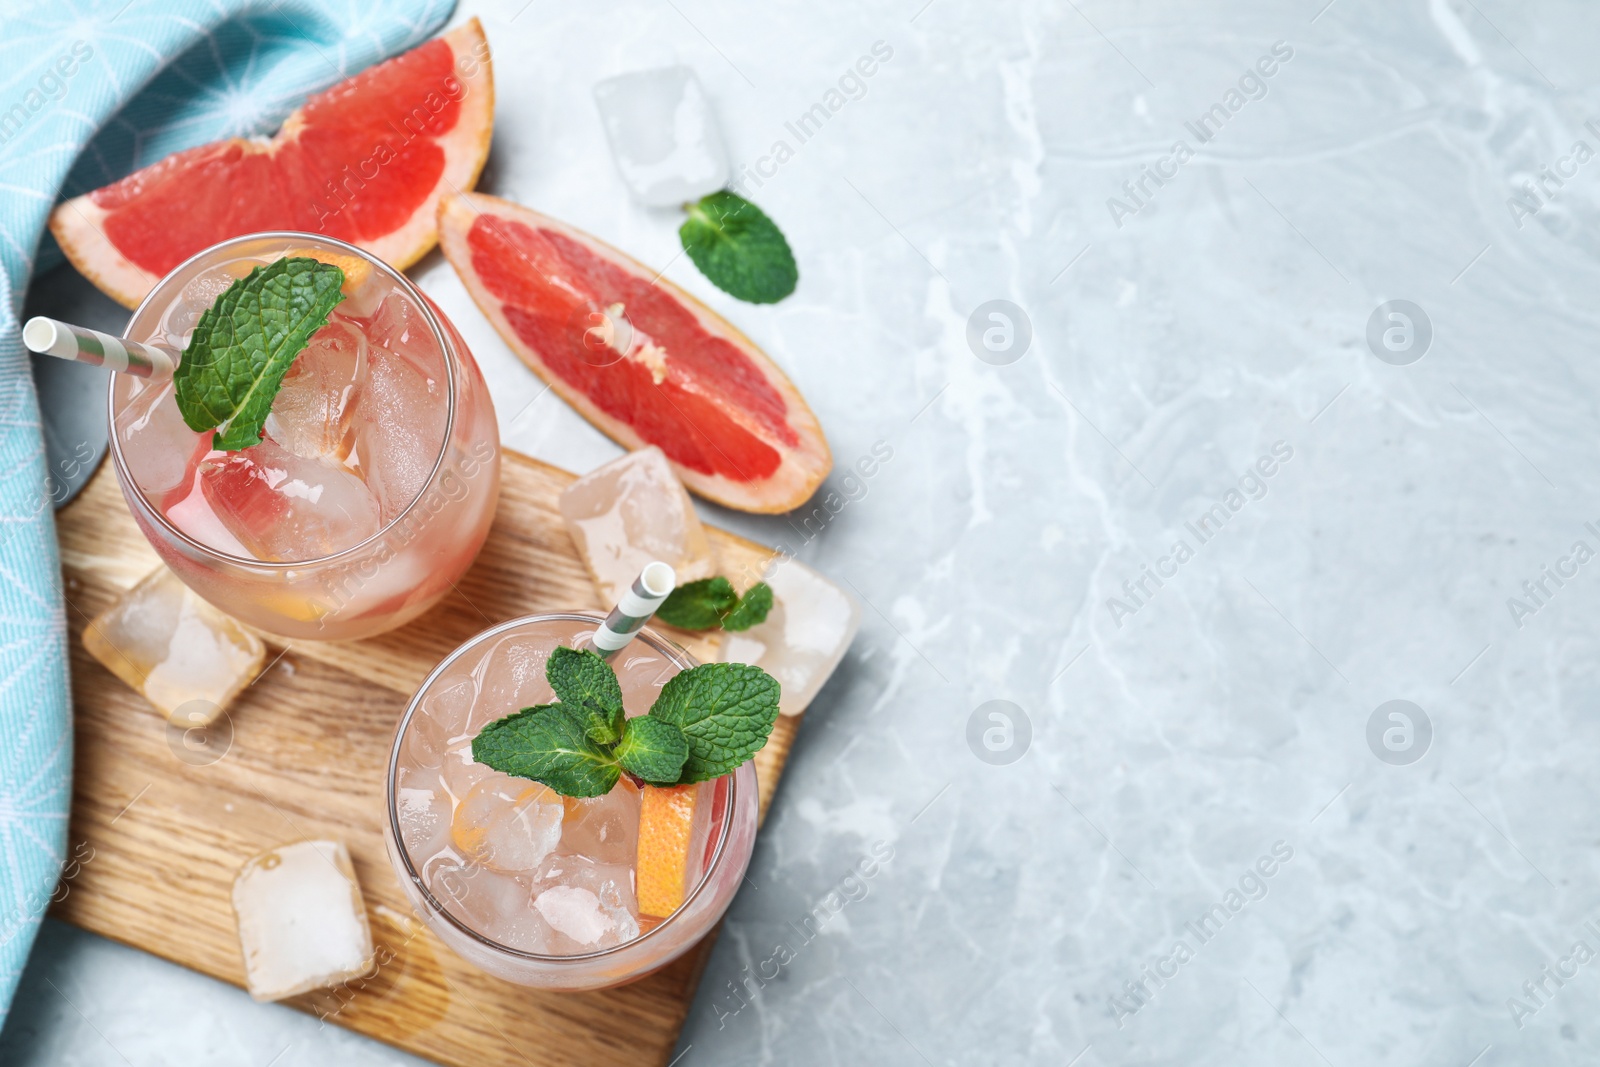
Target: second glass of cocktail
560	891
376	478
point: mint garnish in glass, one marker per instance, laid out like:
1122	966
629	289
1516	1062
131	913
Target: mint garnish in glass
244	344
706	722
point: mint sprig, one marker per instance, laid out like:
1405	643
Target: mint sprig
244	343
739	249
653	750
706	722
711	603
585	681
550	744
751	610
725	714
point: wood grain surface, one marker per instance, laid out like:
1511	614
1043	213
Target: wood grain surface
157	840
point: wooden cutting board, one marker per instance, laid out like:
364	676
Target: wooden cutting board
157	840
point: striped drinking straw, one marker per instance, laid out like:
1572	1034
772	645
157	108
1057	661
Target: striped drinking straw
654	584
50	337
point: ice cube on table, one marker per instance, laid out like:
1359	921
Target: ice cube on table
282	506
313	414
186	657
804	636
508	824
401	414
629	512
663	134
302	924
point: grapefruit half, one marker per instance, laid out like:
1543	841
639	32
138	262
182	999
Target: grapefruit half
365	162
641	359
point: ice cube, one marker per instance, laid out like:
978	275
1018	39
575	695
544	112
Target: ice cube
193	514
441	722
423	811
401	413
156	444
629	512
612	883
527	930
481	898
302	924
399	326
604	829
176	649
512	678
508	824
364	291
804	636
663	134
642	672
588	906
285	507
460	771
426	742
313	414
199	294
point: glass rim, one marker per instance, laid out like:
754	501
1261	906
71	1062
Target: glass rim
446	346
657	642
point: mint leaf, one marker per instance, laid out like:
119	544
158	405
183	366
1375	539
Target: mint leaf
244	343
652	749
698	605
583	680
549	744
751	610
739	249
726	712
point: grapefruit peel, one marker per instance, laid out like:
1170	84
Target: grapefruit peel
641	359
365	161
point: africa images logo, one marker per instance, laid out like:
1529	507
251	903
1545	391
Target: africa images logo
1252	85
1252	888
1253	485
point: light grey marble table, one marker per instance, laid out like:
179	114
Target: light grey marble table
1198	835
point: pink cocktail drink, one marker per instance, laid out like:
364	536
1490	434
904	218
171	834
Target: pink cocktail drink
526	884
374	484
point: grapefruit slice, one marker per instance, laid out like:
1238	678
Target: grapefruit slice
365	161
666	825
643	360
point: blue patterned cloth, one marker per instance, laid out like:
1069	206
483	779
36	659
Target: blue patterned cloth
88	92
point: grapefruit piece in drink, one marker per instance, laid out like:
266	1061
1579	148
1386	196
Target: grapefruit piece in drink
641	359
666	826
364	162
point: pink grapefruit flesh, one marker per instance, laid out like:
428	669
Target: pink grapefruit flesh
665	371
365	162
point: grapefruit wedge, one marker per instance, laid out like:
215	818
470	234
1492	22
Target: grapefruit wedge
641	359
365	161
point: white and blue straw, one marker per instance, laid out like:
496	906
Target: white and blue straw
654	584
51	337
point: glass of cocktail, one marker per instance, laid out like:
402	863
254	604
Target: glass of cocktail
375	482
547	890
